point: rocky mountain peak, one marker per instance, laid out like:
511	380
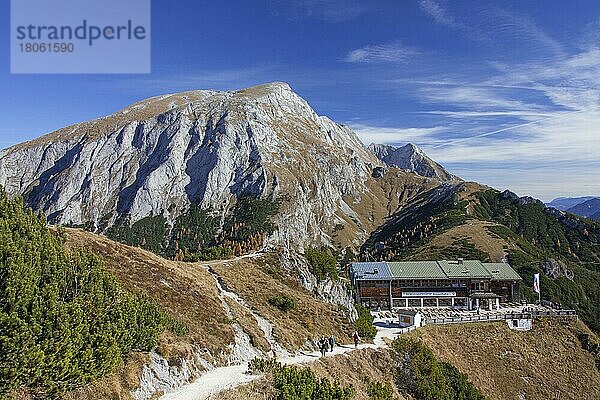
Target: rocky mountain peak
159	155
412	158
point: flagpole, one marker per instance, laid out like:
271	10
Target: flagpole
537	287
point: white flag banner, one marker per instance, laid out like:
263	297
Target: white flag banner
536	283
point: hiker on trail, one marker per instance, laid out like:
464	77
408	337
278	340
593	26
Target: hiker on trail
324	345
331	342
356	339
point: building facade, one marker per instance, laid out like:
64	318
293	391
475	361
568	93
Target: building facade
461	283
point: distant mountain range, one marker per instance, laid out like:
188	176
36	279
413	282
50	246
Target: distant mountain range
587	206
589	209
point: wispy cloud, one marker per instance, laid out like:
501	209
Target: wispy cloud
473	98
546	158
501	130
388	135
505	24
326	10
393	52
533	126
486	114
439	14
496	27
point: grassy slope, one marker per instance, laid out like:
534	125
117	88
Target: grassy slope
544	363
444	245
349	369
258	281
189	292
395	189
183	289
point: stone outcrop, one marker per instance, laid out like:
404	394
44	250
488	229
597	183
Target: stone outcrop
412	159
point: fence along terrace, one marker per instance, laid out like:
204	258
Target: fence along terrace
466	284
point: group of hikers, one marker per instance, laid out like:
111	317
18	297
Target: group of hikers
327	344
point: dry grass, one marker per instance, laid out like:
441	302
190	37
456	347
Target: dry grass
260	389
382	199
352	369
311	318
115	386
544	363
349	369
477	233
187	291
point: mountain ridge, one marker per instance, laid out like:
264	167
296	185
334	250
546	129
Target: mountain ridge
588	209
564	203
161	155
411	158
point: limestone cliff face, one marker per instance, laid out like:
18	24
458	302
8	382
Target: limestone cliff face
159	155
411	158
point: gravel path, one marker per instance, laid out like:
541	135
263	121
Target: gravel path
223	378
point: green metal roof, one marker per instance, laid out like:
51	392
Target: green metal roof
416	270
466	269
502	271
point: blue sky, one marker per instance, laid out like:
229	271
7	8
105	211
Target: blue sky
506	93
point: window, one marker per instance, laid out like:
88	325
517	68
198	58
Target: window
445	302
414	302
429	302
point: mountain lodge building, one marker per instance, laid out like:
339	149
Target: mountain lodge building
466	284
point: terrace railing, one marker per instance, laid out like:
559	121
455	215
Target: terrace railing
500	316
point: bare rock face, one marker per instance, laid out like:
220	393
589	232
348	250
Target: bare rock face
208	147
555	269
411	158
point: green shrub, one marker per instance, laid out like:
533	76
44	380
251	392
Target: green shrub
260	365
379	391
283	302
348	257
193	233
364	323
64	321
196	234
426	378
321	263
149	233
296	383
209	253
250	216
